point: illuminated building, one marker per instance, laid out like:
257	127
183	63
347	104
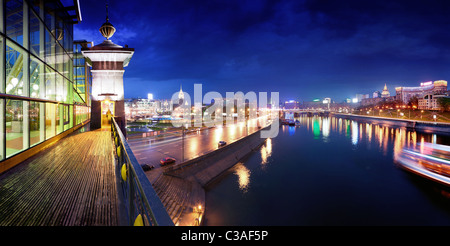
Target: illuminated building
430	102
376	94
108	61
385	93
39	102
291	104
405	94
360	97
378	97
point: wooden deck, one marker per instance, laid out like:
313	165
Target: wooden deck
72	183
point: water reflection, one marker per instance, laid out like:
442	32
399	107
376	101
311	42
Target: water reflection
243	174
326	128
356	131
266	151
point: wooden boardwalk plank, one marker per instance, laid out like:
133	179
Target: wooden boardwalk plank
70	184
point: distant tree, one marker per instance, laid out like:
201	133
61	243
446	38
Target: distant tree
413	101
444	102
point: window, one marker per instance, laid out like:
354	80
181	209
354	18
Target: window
50	83
60	95
37	123
49	48
14	127
14	69
14	20
50	120
2	129
59	118
37	78
35	35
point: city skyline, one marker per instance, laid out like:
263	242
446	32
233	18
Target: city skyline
304	50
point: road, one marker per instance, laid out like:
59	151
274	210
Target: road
196	143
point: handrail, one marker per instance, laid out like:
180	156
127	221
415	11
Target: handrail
143	204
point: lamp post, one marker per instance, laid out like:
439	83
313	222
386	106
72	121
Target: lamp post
198	211
182	143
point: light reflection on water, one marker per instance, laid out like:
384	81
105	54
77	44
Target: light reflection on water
243	176
348	162
357	131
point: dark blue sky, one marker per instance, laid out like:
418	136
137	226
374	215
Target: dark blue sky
301	49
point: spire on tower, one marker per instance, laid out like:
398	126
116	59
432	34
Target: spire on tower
107	29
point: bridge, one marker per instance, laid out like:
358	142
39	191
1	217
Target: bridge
310	112
88	178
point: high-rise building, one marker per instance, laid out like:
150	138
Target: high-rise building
38	96
376	94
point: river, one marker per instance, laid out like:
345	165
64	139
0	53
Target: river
329	172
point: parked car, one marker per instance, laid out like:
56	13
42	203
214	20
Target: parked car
167	160
222	143
147	167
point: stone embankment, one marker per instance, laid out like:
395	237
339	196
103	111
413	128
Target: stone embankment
181	188
422	126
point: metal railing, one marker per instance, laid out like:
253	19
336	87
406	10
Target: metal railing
142	204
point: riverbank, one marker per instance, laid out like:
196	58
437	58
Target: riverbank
181	188
422	126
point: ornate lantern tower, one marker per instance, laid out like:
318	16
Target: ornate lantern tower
107	61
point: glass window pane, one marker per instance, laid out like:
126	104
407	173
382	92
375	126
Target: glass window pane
14	69
35	35
50	120
2	128
14	127
14	20
2	62
50	84
71	119
66	117
37	124
59	88
36	5
59	118
1	17
49	48
37	78
59	66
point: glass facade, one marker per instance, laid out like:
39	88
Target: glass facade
39	95
82	76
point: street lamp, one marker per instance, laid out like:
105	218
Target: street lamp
198	210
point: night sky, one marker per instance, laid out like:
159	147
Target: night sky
301	49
